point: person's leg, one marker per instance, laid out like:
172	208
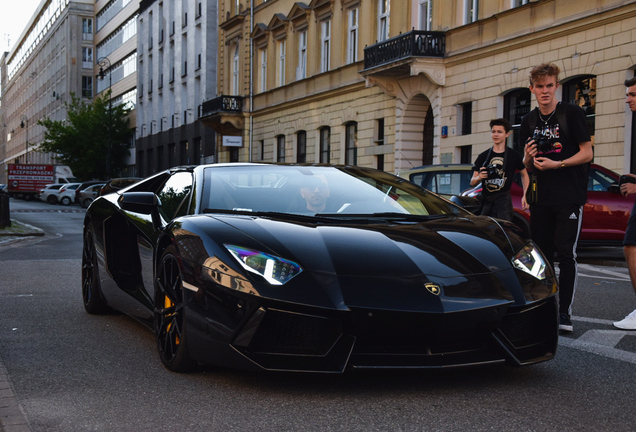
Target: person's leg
568	228
629	249
542	230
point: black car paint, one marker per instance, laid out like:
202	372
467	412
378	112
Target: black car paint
337	313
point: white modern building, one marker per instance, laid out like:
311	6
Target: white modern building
177	61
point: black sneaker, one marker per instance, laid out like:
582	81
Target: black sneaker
565	323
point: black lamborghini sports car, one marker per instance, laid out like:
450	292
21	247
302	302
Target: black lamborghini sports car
315	268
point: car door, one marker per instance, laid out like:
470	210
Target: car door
173	198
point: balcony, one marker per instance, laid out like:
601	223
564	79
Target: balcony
224	114
396	56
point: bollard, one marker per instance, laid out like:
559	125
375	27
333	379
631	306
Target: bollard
5	220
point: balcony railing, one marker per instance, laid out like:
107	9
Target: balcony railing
222	103
416	43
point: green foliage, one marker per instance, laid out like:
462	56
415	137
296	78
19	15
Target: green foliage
93	140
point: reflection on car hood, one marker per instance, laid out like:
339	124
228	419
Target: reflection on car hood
466	257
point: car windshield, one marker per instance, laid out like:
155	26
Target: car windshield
312	190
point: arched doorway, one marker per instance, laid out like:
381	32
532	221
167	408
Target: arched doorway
415	138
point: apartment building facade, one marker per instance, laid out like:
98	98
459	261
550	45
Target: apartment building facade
394	84
177	48
49	61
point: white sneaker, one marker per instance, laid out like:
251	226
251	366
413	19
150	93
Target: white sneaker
628	323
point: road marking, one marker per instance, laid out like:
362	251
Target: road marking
605	273
601	342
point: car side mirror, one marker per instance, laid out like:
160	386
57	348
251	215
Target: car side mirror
138	202
146	203
614	188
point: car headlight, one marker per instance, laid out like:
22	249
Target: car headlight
275	270
530	260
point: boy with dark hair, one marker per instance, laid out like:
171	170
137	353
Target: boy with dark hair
495	169
558	149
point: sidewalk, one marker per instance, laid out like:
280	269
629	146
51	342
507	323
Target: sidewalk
17	231
12	418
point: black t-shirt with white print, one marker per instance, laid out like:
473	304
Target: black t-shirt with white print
507	163
563	186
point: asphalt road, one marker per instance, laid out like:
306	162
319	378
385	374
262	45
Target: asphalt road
66	370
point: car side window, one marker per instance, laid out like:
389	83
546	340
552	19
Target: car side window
174	196
599	181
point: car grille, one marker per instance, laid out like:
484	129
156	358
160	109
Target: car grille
292	333
529	326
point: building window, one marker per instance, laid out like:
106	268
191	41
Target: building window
87	86
325	144
517	3
426	15
235	70
465	154
87	29
301	147
384	12
263	70
87	57
379	140
516	105
352	35
281	63
471	11
465	118
581	91
301	71
326	46
351	143
280	148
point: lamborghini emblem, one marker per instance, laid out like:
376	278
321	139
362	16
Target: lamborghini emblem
433	288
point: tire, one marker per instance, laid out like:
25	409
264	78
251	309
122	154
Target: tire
169	315
65	201
86	202
94	301
51	199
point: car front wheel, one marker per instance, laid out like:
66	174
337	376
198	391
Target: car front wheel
169	315
65	201
51	199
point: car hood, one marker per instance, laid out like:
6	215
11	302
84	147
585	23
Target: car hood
433	265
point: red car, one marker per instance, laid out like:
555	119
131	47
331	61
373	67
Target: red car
605	213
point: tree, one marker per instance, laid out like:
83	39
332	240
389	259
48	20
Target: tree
93	139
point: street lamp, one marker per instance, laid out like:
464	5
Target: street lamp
23	123
103	62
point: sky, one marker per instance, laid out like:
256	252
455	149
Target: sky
14	16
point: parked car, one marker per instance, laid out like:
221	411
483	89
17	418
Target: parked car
227	265
605	213
66	194
116	184
49	192
448	180
443	179
83	186
88	194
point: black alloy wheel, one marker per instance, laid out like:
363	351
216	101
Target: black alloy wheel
170	325
94	303
51	199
